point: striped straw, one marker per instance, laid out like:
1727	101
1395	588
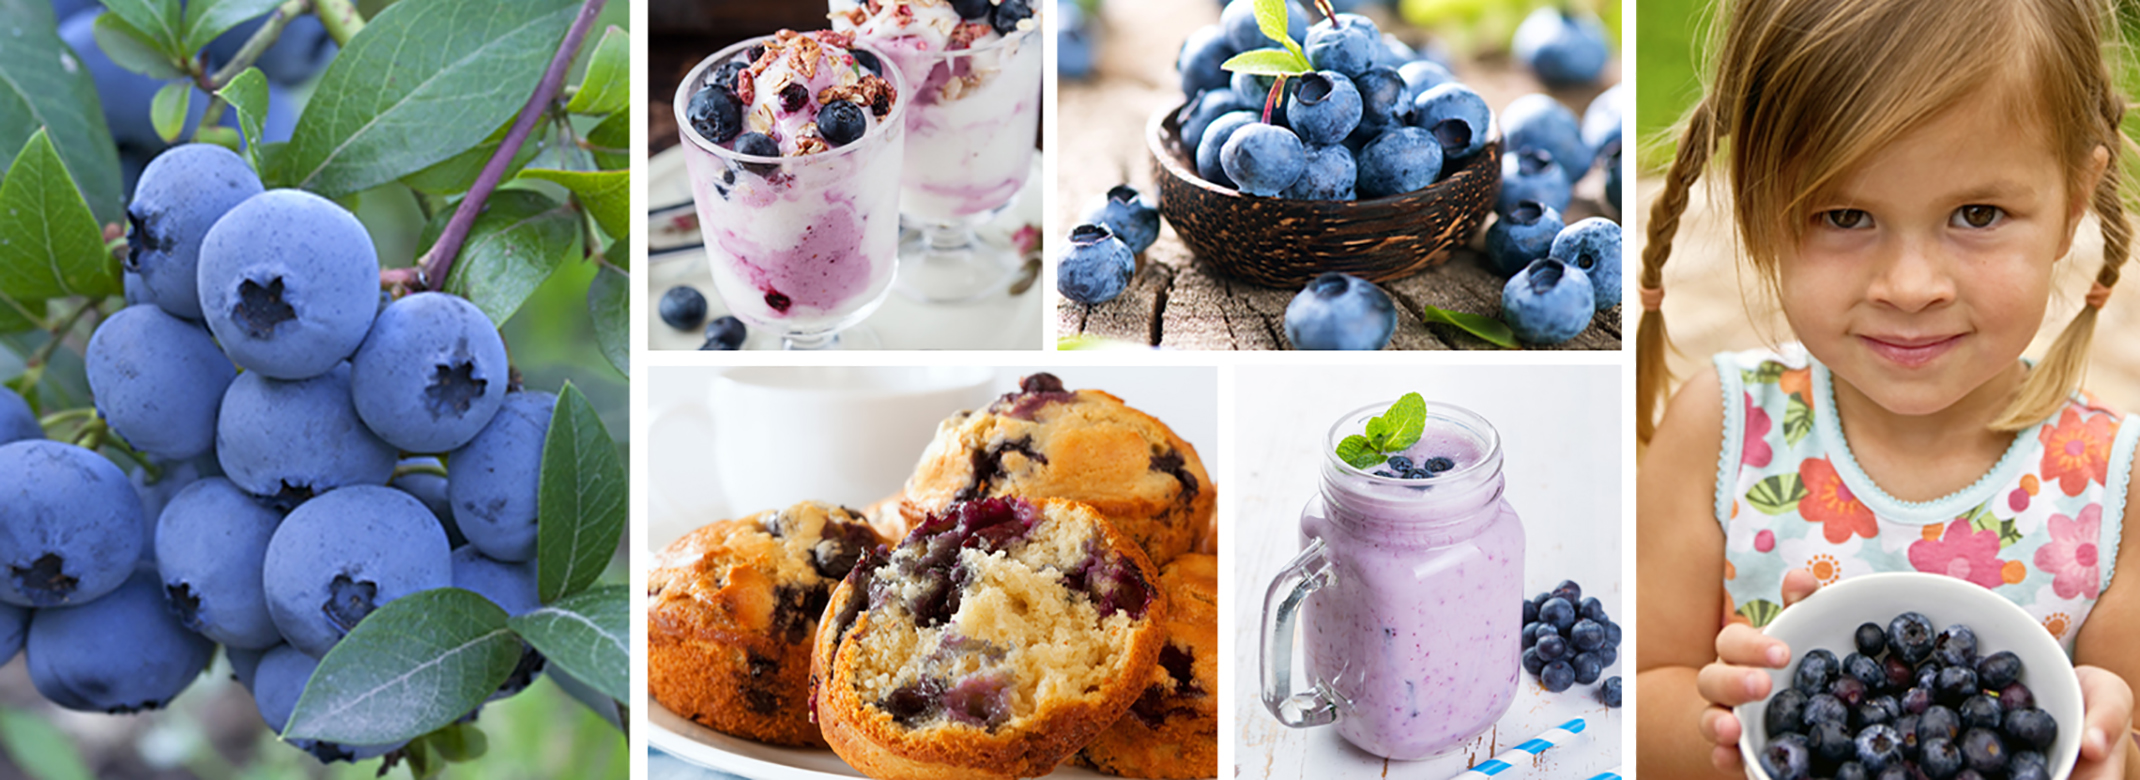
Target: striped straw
1558	735
1612	775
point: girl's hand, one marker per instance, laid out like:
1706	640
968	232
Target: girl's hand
1737	676
2107	722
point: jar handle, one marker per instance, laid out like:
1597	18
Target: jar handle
1308	572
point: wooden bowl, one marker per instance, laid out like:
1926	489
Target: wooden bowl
1278	242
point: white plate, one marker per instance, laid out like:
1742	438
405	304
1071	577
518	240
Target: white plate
706	747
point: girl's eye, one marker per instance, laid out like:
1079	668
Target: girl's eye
1977	216
1847	219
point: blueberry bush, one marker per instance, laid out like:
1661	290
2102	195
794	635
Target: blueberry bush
313	319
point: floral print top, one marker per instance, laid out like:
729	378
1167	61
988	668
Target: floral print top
2040	528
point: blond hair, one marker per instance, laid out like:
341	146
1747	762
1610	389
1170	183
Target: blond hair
1803	90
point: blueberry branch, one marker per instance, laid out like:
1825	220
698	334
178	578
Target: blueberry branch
439	261
341	19
258	44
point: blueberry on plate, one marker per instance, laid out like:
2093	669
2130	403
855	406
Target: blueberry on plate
1570	590
1550	302
1910	634
1999	669
1787	758
1586	668
1609	691
1345	43
1938	757
1587	634
1340	311
1938	722
1878	746
1956	645
2032	728
1866	670
1401	160
1984	752
1201	55
1831	743
1207	106
1980	712
1816	669
1825	708
1553	647
724	333
1096	266
1955	684
1214	141
1784	712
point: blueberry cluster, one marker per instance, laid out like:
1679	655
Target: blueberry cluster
1909	702
1077	40
1401	467
1559	274
1569	640
683	307
1101	257
284	513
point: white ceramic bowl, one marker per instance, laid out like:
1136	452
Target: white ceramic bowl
1831	616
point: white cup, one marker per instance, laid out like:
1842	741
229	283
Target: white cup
848	435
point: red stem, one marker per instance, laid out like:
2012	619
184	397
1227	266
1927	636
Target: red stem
439	261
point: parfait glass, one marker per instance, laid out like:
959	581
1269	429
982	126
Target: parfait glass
801	249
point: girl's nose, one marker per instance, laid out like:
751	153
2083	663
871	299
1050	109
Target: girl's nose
1915	275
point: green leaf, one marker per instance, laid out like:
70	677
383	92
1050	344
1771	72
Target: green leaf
582	502
611	142
1797	420
168	111
226	137
515	244
206	19
50	245
39	748
606	194
1760	611
425	80
133	49
609	301
1777	494
1356	451
1492	330
44	85
158	20
419	662
456	174
248	95
1267	62
608	86
588	635
1273	19
1399	427
460	742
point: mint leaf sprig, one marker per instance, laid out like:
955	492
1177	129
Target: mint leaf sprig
1393	432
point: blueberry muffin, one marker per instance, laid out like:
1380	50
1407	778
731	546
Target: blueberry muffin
731	612
1173	729
997	639
1084	445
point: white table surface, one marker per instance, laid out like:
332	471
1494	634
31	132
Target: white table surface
997	322
1561	430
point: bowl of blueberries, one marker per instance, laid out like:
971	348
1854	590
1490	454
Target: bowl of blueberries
1371	164
1910	675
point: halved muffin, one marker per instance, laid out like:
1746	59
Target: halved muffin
1173	729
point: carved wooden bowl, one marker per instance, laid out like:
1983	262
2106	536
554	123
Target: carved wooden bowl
1278	242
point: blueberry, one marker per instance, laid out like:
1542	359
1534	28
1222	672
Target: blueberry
1530	610
1816	669
1926	676
1531	175
1879	709
1898	673
1906	726
1422	75
1593	245
1129	215
1263	159
1330	175
683	307
1866	670
758	145
1916	700
1593	609
1998	670
1384	101
715	113
1557	612
1345	43
1540	630
1825	708
1552	647
1910	634
1979	711
431	373
1401	160
210	544
1457	116
291	440
1984	751
1937	722
1587	634
157	381
1587	668
1562	48
1201	55
1557	676
1831	744
2016	697
17	421
1075	40
1878	746
1956	645
1340	311
1955	684
124	652
1607	655
725	333
278	682
841	122
1096	267
1609	691
1851	770
2027	765
73	524
1849	691
1569	590
1239	19
1522	235
341	555
2031	728
289	284
1938	757
1009	15
1206	107
1325	110
494	478
1785	712
1787	758
1537	121
1612	633
1601	132
1547	303
1532	663
1439	464
1214	141
180	195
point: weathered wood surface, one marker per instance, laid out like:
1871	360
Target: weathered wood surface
1180	303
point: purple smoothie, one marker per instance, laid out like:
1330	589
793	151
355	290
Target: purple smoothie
1412	635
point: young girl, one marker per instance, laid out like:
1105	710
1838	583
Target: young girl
1904	177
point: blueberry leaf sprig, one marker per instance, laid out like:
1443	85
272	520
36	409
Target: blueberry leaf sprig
1272	19
1488	328
1393	432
